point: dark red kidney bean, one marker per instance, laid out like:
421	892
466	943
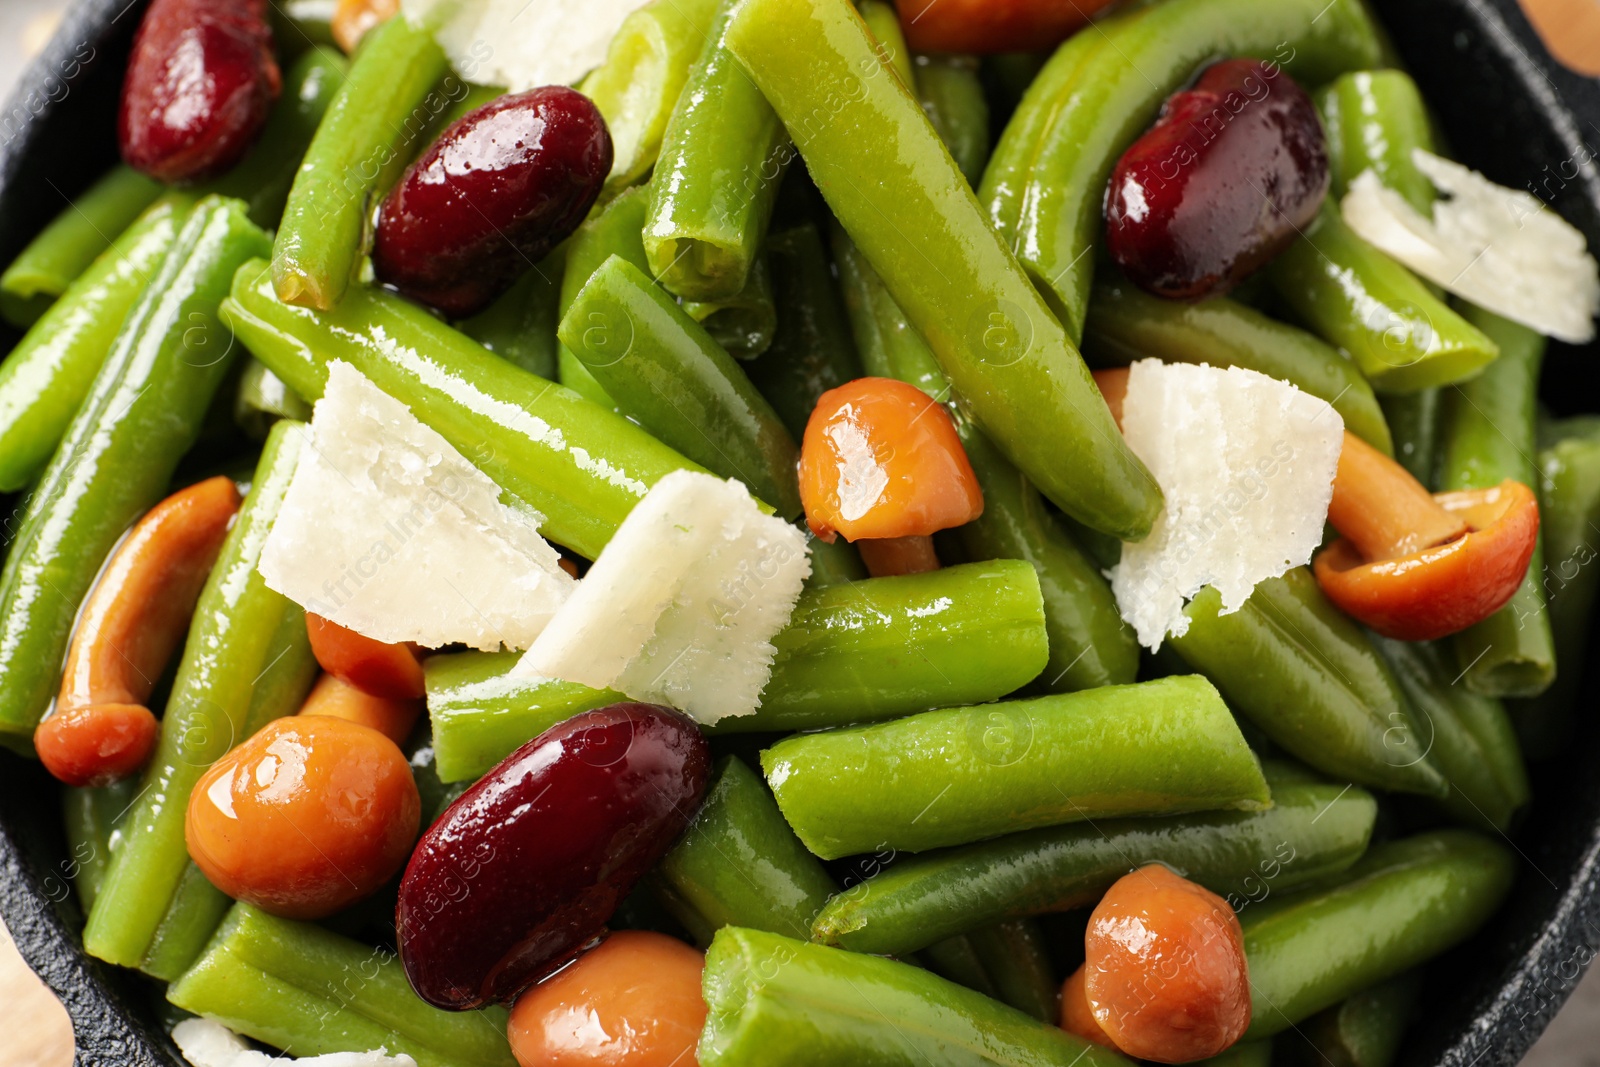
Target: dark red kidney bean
200	83
529	864
500	188
1230	172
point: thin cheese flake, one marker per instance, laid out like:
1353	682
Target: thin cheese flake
388	530
683	603
522	44
1246	464
207	1043
1499	248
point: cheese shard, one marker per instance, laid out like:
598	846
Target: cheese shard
1246	464
388	530
1499	248
681	607
207	1043
522	44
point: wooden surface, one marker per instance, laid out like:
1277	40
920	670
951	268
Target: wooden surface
34	1029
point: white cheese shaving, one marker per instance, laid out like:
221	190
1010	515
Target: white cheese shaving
522	44
207	1043
388	530
1246	464
1499	248
682	605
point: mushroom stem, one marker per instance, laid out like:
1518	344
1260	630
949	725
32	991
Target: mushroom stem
1382	509
886	557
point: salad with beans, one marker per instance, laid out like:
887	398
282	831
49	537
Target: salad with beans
789	532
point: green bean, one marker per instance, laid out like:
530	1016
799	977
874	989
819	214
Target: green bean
1365	1029
1405	902
194	914
1242	1054
739	864
964	774
950	92
1298	668
834	564
639	84
1486	434
245	661
520	327
263	399
956	959
143	413
579	466
783	1003
811	351
311	992
78	236
745	322
1014	957
1005	354
615	231
1374	120
883	24
1311	831
1413	420
667	372
371	131
1470	737
890	347
723	157
91	817
1126	324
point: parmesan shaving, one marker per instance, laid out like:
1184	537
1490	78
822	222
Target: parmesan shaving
207	1043
1246	464
522	44
388	530
682	605
1499	248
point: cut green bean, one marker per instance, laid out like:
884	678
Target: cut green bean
520	327
579	466
667	372
1363	1031
1013	956
1375	119
263	399
889	346
1297	667
955	958
1413	420
193	916
965	774
951	93
744	323
1126	324
615	231
1310	831
245	661
783	1003
883	24
91	816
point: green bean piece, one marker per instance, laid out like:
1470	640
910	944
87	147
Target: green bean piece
1399	333
723	156
1312	830
1126	324
1470	737
78	236
1374	119
883	25
1005	354
1413	420
1362	1031
853	652
244	662
1007	76
615	231
744	323
1302	671
834	564
193	916
890	347
739	864
964	774
520	327
956	959
579	466
91	816
263	399
1014	957
667	372
1405	902
372	130
142	414
1487	434
638	86
311	992
812	350
1113	91
783	1003
951	93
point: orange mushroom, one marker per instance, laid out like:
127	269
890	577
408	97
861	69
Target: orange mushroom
1077	1017
373	666
393	717
354	19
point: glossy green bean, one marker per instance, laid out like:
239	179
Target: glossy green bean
191	918
744	323
883	23
1374	120
889	346
1487	434
90	817
78	236
723	156
1126	324
1013	955
520	327
615	231
667	372
1404	903
1362	1031
1413	420
1311	831
1299	669
263	399
833	564
739	864
373	128
950	92
783	1003
247	659
1005	354
955	958
143	413
579	466
964	774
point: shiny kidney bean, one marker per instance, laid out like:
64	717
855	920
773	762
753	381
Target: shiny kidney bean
530	863
1231	171
499	189
200	82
